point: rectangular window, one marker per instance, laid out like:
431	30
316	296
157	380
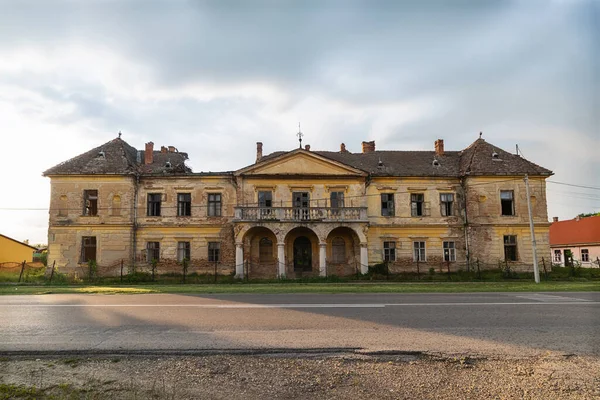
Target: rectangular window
449	251
88	248
417	201
336	199
214	251
154	200
214	204
183	251
265	199
389	251
507	202
585	255
90	202
446	203
184	204
152	251
557	256
301	203
419	251
387	204
510	248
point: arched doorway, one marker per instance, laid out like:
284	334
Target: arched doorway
302	254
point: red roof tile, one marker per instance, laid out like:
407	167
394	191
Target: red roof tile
582	231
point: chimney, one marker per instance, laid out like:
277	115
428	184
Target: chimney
577	218
554	219
258	151
368	147
343	148
149	153
307	147
439	147
171	149
163	149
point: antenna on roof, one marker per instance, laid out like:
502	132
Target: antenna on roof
299	134
119	134
480	133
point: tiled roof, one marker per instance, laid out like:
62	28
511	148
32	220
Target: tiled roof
119	158
574	232
477	159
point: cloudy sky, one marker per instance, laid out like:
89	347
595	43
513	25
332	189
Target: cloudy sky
213	78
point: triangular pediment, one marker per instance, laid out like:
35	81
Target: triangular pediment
300	162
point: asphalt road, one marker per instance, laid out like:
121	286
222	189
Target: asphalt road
497	324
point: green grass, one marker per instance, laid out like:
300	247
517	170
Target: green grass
357	287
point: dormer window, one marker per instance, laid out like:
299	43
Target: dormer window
436	163
495	156
101	154
168	164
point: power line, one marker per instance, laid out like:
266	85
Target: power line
571	184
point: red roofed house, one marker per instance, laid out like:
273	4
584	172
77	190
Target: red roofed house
577	240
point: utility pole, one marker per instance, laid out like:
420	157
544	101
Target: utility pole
536	271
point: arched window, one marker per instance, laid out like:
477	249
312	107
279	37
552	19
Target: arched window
338	250
265	250
116	205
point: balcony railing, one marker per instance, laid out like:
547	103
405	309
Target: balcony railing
301	214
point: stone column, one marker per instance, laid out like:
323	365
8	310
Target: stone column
364	258
281	259
239	260
322	263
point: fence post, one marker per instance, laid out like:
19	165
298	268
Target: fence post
52	272
22	268
215	281
121	271
448	268
418	270
478	270
247	270
545	271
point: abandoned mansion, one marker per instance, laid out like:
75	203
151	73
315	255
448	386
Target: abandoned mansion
296	213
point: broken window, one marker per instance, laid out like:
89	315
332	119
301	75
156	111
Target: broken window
183	251
214	251
507	202
446	203
336	199
301	203
265	250
417	201
585	255
154	201
184	204
419	251
265	202
387	204
152	251
338	250
90	202
214	204
557	256
88	249
389	251
449	252
510	247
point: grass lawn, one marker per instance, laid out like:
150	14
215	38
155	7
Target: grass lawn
358	287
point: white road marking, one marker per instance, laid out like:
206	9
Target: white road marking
263	306
551	298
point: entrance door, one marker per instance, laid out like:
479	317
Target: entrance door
301	204
302	254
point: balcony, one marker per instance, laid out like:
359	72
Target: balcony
294	214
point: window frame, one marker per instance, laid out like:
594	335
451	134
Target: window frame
587	255
90	210
388	205
510	245
214	252
184	251
416	203
154	206
449	248
215	205
152	248
265	198
559	258
389	251
447	206
419	252
512	203
184	204
336	199
83	256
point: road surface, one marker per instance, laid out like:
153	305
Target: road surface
500	324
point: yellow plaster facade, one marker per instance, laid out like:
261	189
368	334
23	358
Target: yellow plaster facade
12	250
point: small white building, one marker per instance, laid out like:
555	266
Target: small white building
576	240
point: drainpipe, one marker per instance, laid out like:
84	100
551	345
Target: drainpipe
466	223
136	182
